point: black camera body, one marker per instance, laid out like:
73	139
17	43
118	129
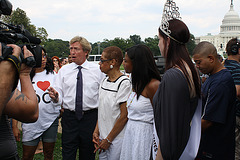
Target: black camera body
10	34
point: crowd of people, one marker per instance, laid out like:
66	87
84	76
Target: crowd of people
139	116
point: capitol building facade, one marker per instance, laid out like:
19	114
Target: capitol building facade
229	29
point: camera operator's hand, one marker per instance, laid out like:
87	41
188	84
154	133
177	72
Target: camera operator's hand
16	50
25	70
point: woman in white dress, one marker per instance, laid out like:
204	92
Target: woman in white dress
138	137
112	112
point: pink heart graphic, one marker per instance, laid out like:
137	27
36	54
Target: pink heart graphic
43	85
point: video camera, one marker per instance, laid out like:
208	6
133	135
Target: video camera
11	34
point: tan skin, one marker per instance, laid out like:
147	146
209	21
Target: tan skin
29	151
56	65
8	76
70	59
113	75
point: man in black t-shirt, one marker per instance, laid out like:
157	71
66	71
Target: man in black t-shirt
219	94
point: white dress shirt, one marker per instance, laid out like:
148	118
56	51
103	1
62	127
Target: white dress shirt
66	83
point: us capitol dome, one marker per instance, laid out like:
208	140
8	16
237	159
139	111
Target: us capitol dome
229	29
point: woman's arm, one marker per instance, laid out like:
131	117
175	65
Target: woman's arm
159	154
117	128
96	137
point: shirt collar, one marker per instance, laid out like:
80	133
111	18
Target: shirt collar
85	65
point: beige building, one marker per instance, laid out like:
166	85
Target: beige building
229	29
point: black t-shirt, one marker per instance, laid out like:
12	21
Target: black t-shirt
8	146
219	94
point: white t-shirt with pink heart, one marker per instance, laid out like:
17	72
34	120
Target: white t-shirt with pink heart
47	112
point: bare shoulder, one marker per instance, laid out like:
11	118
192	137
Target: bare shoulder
152	87
153	84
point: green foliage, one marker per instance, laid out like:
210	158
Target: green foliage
18	17
42	34
57	47
191	44
152	43
136	39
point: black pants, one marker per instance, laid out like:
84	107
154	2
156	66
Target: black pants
78	134
16	157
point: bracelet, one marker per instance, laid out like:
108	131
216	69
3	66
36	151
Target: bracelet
108	141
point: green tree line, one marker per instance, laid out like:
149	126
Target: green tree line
60	48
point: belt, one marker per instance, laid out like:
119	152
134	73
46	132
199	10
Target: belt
90	111
84	112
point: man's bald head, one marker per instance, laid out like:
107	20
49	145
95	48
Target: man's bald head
204	49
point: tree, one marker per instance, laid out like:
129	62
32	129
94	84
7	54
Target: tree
20	18
42	34
152	43
136	39
57	47
191	44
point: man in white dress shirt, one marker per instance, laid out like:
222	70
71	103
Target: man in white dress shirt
78	133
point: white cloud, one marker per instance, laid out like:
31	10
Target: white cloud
107	19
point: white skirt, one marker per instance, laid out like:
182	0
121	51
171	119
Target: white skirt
137	141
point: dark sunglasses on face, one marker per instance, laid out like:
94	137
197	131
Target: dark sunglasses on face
104	60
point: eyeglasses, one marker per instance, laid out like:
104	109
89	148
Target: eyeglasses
104	60
44	56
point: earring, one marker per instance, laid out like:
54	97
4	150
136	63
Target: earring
111	66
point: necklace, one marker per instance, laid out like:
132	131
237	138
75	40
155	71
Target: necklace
131	99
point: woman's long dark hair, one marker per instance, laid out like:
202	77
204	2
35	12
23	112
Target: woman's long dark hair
144	68
177	53
49	65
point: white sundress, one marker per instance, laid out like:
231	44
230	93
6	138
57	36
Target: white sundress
138	137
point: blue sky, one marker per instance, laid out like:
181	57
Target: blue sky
97	20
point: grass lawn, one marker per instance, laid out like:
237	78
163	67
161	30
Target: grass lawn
57	150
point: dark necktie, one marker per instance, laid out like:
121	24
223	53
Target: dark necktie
79	94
